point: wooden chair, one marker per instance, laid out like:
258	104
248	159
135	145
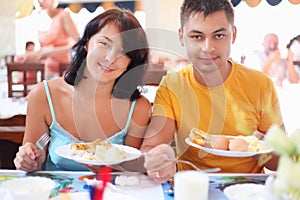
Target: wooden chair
28	79
154	74
62	68
11	136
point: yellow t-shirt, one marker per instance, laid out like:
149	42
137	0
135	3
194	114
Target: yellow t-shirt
245	102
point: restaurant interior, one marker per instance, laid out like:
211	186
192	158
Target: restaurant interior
19	21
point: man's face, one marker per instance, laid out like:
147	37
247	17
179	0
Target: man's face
270	43
207	40
30	47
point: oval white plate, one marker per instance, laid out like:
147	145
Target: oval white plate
245	191
65	151
225	153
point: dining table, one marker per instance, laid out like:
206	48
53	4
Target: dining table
76	184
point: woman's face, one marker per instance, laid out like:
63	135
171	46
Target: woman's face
106	60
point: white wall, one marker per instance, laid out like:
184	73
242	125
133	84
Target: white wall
162	23
254	23
7	27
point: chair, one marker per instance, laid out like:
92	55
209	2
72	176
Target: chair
62	68
29	77
154	74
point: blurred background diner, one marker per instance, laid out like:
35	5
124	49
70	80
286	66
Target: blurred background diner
21	20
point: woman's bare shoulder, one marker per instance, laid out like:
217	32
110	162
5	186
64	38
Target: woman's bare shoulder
56	87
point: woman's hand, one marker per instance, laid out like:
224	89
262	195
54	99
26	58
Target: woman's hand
29	158
159	163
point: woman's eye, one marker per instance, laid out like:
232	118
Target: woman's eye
122	51
105	44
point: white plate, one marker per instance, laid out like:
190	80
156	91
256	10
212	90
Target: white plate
65	151
225	153
245	191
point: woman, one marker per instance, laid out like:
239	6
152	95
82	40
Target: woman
98	97
293	49
58	39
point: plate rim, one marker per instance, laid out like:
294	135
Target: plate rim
225	152
137	153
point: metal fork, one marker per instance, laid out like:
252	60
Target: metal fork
43	141
208	170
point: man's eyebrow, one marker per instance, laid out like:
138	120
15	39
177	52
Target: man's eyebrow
220	30
195	31
200	32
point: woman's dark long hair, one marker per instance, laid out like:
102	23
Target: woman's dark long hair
135	45
292	40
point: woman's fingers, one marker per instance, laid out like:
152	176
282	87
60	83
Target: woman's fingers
27	158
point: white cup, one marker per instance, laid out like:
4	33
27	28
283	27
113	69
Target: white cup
191	185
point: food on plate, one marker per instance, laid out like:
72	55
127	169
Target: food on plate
98	150
220	142
238	144
200	137
225	142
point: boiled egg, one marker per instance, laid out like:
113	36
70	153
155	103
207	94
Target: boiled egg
238	144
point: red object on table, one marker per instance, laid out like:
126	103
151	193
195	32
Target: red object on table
104	174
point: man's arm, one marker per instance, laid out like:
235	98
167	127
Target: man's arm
161	130
159	154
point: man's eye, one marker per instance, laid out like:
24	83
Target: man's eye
220	36
196	37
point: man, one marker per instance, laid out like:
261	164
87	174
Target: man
270	61
29	55
213	94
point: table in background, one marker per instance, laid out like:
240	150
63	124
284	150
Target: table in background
12	128
12	119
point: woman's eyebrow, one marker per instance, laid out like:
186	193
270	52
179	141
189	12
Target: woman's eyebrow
106	38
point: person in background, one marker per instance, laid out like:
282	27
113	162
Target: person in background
29	55
271	62
213	94
96	99
29	46
58	40
293	49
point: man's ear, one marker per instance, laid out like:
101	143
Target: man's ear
234	34
180	35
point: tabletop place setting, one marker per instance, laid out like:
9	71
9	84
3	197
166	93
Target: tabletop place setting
106	183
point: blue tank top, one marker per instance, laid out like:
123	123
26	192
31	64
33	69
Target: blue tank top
60	136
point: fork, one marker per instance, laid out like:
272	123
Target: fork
209	170
42	141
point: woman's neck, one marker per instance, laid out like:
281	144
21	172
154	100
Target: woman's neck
94	90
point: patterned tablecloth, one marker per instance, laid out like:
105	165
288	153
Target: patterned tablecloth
73	185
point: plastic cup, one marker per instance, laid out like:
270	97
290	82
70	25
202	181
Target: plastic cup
191	185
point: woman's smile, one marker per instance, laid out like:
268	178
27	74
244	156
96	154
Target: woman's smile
105	68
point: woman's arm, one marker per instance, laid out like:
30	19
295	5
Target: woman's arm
140	120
